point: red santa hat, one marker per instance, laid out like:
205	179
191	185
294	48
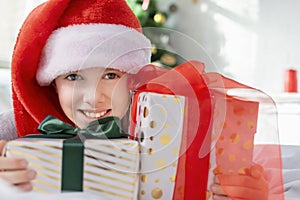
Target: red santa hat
61	36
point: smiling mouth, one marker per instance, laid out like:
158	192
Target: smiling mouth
95	115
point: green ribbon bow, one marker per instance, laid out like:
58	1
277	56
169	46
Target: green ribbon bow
108	127
73	146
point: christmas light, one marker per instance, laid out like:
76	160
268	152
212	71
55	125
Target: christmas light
159	18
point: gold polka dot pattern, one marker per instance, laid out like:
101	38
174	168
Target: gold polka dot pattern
237	136
156	193
160	163
144	178
165	139
160	119
233	131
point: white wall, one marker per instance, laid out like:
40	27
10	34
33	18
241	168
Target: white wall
5	91
253	41
12	14
10	20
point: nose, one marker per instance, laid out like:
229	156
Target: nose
94	94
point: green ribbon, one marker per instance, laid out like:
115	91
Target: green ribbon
73	147
72	165
108	127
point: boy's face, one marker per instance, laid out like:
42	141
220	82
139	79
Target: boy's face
90	94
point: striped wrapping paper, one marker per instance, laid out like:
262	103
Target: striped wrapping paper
110	166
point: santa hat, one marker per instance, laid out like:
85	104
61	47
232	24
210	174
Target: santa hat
62	36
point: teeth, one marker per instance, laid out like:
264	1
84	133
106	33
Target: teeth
94	115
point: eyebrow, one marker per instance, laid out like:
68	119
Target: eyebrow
111	69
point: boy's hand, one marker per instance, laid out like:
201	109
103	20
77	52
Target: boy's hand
235	187
14	170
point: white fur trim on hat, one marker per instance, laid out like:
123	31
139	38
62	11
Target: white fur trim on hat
77	47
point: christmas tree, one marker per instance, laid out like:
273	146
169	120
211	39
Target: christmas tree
154	26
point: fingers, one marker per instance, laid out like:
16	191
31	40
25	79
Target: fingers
241	192
238	180
219	197
240	186
26	187
218	192
18	177
216	180
15	172
217	189
256	171
236	192
12	163
2	144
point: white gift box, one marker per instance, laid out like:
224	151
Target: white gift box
159	126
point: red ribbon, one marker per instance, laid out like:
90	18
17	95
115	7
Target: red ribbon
185	80
200	90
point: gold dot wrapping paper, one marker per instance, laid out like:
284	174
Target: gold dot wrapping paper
234	128
160	122
237	136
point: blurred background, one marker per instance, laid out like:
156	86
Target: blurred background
253	42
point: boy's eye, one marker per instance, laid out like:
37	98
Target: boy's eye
111	76
73	77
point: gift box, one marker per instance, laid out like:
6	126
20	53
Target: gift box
159	126
234	127
105	167
219	134
117	168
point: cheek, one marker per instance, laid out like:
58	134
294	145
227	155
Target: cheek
120	100
66	97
